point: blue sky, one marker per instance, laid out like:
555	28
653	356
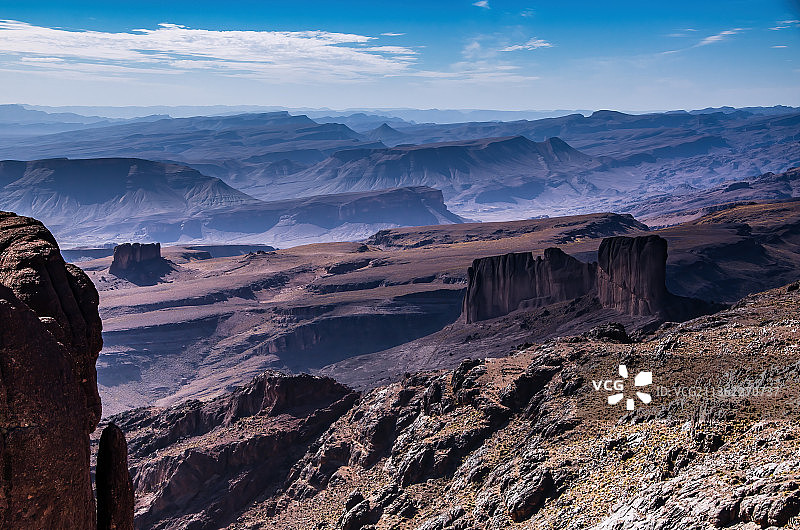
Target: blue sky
493	54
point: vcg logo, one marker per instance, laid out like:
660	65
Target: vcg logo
617	386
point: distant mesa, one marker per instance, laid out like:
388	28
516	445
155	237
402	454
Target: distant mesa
500	169
129	256
89	202
140	263
629	277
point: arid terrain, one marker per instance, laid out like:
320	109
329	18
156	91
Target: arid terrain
474	265
409	368
486	170
206	324
522	441
474	388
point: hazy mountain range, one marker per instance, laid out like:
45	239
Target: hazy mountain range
102	201
488	171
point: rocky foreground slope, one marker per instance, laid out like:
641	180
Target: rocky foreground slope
526	441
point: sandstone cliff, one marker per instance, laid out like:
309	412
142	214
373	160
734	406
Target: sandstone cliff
128	255
140	263
49	342
632	274
50	337
501	284
629	278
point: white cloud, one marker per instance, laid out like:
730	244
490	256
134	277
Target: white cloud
141	57
392	34
395	50
482	3
682	32
42	60
780	46
297	55
786	24
711	39
479	72
719	36
532	44
473	50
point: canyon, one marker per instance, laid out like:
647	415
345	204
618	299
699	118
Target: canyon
449	440
495	442
214	323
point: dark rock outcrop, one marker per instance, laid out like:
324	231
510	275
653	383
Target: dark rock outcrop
632	274
128	255
50	336
140	263
629	278
499	285
115	502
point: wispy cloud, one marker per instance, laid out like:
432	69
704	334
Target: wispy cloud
143	56
41	60
711	39
482	3
786	24
722	35
531	44
685	32
297	55
480	72
482	62
392	34
780	46
395	50
527	13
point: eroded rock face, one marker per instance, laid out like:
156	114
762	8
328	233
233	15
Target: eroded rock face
50	336
128	255
196	464
629	278
499	285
